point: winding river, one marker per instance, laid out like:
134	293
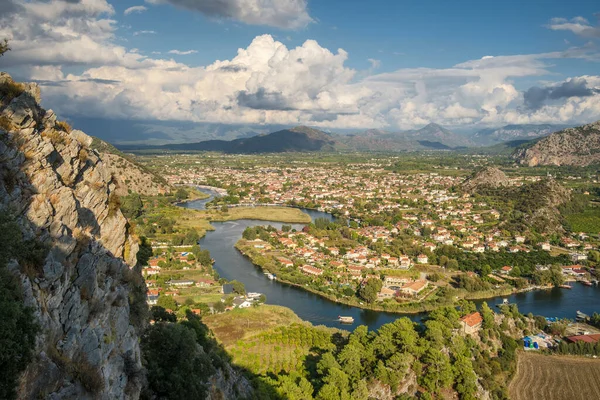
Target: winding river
230	264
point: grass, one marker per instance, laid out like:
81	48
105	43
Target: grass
269	339
587	221
279	214
240	323
555	377
9	90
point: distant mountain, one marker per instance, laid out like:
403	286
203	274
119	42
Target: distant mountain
579	146
300	138
430	137
491	136
434	133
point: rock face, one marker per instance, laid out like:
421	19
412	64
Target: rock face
578	146
128	175
64	196
491	136
485	177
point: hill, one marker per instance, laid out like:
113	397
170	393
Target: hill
128	175
298	139
510	133
579	146
430	137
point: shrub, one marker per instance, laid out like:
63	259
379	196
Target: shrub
114	204
64	126
54	136
9	90
6	123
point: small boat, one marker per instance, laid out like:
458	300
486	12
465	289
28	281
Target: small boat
581	316
587	283
253	295
345	320
505	302
270	275
565	286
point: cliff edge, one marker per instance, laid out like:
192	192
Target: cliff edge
86	296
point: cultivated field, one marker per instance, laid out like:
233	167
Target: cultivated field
555	378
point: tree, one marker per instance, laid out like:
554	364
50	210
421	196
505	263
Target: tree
159	314
4	47
219	307
370	290
167	302
224	209
144	252
131	206
238	287
181	194
18	328
176	366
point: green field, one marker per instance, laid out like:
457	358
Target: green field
268	339
587	221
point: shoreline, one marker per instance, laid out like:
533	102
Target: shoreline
411	308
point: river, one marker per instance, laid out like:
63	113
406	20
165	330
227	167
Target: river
230	264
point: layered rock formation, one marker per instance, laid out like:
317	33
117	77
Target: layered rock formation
578	146
128	175
64	197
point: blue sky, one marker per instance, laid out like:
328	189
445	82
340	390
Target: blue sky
332	64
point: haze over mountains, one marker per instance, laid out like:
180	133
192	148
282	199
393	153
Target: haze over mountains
302	138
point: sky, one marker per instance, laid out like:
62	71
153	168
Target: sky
330	64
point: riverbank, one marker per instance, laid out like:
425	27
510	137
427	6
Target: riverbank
428	301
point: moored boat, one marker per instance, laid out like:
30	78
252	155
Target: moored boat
587	283
505	302
565	286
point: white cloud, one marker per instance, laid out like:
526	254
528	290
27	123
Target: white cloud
182	52
268	82
135	9
578	25
284	14
137	33
374	63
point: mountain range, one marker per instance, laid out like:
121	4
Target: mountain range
303	138
579	146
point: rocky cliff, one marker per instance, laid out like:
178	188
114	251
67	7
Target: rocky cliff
578	146
83	294
127	174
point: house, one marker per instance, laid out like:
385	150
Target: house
390	281
422	259
240	302
471	323
584	338
151	271
152	297
285	262
415	287
386	293
505	270
182	282
307	269
576	257
520	239
546	246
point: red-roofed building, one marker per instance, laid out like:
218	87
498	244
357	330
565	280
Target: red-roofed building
471	323
584	338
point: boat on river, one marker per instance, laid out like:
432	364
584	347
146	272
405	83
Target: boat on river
270	275
345	320
505	302
581	316
587	283
565	286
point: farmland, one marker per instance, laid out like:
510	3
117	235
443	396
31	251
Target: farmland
553	377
